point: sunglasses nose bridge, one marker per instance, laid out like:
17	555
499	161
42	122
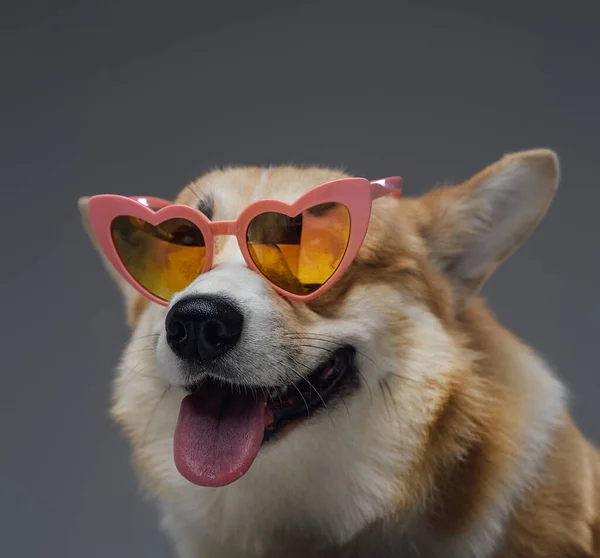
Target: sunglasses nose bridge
224	228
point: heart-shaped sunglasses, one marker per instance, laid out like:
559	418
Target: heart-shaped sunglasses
301	249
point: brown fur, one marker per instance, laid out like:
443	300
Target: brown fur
559	517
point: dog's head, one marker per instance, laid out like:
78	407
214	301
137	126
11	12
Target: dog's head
356	376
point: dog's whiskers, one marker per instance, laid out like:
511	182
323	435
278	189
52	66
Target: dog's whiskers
328	339
305	378
303	399
386	391
331	351
138	350
344	404
135	371
140	338
160	400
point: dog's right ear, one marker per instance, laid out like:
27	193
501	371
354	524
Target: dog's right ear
473	227
126	289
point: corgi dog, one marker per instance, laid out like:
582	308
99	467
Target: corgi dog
333	385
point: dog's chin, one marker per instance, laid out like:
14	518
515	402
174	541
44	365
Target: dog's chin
222	426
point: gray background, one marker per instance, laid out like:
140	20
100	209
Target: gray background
141	97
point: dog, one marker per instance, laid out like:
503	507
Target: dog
446	436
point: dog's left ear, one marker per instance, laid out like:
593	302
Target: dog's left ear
125	288
473	227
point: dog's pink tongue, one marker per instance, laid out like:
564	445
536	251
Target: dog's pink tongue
218	435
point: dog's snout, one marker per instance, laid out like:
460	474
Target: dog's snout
203	328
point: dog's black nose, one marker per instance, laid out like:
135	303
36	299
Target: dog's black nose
202	328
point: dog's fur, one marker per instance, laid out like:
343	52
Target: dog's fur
458	442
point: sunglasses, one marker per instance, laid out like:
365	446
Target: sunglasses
301	249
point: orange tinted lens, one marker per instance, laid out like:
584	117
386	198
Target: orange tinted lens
300	254
163	259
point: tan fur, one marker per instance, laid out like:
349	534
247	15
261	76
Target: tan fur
560	516
461	456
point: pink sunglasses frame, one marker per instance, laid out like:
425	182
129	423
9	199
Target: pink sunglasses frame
356	194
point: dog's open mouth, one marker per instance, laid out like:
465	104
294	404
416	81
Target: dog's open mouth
222	427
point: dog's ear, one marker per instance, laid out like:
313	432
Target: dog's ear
125	288
473	227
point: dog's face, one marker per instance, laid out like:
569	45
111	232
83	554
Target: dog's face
233	383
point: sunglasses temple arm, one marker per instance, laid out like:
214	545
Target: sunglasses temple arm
386	186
